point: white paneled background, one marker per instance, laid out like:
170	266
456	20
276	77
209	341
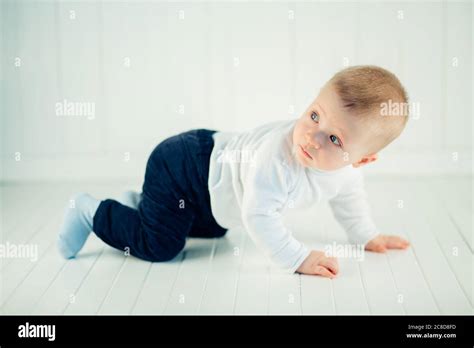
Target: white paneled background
156	68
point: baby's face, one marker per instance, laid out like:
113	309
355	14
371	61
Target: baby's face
327	137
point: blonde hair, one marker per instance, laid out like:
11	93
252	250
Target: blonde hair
364	90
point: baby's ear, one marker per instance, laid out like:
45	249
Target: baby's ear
365	160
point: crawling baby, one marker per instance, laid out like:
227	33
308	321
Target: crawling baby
202	182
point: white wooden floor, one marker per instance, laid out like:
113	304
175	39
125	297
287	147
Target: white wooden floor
228	275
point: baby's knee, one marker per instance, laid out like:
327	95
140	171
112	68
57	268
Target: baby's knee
220	233
163	253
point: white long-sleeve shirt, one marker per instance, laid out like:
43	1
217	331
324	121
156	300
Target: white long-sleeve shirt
253	178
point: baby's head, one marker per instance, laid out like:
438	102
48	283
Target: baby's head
348	122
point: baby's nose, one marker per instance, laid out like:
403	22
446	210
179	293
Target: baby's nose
315	144
311	139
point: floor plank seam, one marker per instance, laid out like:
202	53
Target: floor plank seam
209	269
333	297
301	293
23	279
49	286
440	197
397	288
426	280
452	269
243	243
183	257
28	239
141	288
268	274
84	278
364	288
117	276
458	229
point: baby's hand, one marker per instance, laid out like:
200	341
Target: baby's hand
382	242
317	263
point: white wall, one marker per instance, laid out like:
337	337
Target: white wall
228	66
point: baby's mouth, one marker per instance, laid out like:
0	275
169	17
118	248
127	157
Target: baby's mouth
306	153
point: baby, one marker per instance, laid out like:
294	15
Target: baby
200	183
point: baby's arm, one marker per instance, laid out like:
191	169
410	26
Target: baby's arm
267	230
265	192
351	209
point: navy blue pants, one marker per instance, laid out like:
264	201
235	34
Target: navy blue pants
175	202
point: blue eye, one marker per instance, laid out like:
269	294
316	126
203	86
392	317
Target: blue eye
334	140
315	116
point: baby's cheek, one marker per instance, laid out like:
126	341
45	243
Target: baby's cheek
297	133
345	157
332	160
